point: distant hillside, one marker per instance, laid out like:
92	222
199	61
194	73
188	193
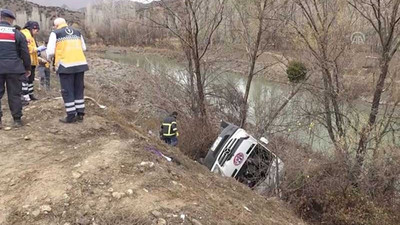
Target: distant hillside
44	15
72	4
123	22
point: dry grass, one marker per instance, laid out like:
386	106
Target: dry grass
320	188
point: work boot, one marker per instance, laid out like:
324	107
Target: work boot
68	119
33	98
79	117
17	123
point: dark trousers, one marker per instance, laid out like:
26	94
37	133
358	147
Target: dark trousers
13	84
171	140
72	91
27	84
31	78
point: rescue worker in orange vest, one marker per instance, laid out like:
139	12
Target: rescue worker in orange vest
67	45
169	130
30	30
15	64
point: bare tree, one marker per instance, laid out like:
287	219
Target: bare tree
384	17
194	23
258	23
321	31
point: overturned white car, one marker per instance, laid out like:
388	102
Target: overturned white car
237	154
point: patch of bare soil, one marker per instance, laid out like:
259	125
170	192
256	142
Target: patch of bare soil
104	170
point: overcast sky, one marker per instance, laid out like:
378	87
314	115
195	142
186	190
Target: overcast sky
73	4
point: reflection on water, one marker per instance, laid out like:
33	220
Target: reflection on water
264	96
156	64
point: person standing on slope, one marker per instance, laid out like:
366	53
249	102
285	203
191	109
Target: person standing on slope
67	45
15	64
30	30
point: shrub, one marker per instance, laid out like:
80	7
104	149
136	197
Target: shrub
321	189
296	71
196	138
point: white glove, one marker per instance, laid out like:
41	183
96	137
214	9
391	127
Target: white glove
41	48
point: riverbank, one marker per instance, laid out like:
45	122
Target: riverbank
358	75
263	92
303	165
101	171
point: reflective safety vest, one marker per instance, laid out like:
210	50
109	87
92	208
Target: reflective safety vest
32	47
69	56
169	127
7	42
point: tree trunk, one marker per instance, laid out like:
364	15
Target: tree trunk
193	97
202	101
243	109
252	64
200	86
193	36
335	104
327	106
362	145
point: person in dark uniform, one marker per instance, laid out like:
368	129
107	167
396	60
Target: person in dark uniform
68	46
15	64
169	129
23	99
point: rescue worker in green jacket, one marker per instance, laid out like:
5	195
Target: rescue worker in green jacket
169	130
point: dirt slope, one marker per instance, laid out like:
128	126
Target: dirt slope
102	172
